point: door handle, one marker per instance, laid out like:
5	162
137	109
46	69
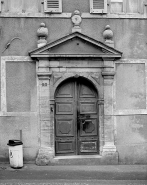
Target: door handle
83	118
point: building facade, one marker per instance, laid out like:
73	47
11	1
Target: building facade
73	80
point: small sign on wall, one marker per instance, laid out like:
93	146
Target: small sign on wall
44	84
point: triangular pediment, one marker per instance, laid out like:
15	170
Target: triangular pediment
76	45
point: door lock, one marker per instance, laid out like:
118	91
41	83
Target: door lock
82	118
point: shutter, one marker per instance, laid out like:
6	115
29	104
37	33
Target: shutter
98	6
53	6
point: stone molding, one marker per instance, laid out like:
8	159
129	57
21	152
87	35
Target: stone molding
83	15
109	147
108	74
44	75
5	59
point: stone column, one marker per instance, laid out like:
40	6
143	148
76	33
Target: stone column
109	152
46	151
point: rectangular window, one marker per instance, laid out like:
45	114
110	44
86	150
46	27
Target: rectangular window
127	6
117	6
133	6
98	6
53	6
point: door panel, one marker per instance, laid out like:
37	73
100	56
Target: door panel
76	118
64	108
65	147
64	127
65	124
88	113
85	91
88	107
89	128
88	146
67	90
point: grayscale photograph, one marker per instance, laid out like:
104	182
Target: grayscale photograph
73	92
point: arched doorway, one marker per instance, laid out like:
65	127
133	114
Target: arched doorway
76	118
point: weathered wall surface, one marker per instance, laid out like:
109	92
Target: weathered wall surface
130	111
21	92
33	6
130	87
131	139
10	129
129	34
20	114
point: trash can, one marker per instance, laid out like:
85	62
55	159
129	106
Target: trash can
15	153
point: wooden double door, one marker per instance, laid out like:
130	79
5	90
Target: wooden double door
76	118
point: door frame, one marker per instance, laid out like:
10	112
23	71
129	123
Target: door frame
100	92
47	84
54	67
76	85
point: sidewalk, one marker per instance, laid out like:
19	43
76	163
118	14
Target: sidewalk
32	173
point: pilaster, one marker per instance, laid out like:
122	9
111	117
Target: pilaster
46	150
109	151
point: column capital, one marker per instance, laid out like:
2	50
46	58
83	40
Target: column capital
44	75
110	59
108	74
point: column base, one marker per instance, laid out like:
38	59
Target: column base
109	147
110	155
44	157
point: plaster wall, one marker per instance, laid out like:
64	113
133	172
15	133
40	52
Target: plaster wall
130	86
131	139
130	111
10	129
129	34
130	103
19	112
21	91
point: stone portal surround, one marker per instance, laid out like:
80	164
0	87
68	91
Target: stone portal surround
109	154
46	151
46	154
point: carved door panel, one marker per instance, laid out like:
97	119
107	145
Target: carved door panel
87	119
76	118
65	119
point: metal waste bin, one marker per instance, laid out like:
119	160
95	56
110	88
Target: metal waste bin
15	153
